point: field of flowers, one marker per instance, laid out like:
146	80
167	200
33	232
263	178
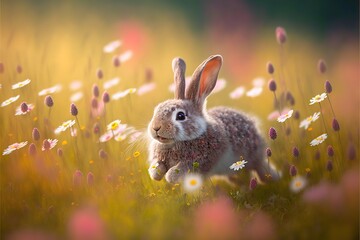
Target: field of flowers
76	98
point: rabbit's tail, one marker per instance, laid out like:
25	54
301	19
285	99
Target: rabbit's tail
267	172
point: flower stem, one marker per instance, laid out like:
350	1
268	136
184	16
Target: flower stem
322	117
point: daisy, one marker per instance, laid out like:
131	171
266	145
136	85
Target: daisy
192	182
53	89
113	125
125	56
238	165
220	85
307	121
110	83
64	126
52	143
10	100
110	47
76	96
285	116
254	92
318	98
14	147
297	184
237	93
21	84
258	82
122	94
275	114
18	110
146	88
75	85
106	136
318	140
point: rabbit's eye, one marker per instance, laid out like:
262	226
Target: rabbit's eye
180	116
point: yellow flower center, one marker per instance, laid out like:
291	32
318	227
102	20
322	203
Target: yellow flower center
309	119
136	154
193	182
298	184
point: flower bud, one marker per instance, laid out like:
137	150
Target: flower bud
330	151
32	149
293	170
106	97
328	87
24	107
335	125
295	152
270	68
90	178
329	165
280	35
268	152
321	66
35	134
272	85
253	184
73	109
272	133
49	101
95	90
99	74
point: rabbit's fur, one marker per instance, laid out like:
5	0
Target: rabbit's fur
183	132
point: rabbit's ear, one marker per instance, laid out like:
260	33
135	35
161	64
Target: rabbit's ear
179	67
204	79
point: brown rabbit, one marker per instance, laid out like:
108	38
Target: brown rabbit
183	132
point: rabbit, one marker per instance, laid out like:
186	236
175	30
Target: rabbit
183	132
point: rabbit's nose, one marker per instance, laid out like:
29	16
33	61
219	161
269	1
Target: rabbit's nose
156	128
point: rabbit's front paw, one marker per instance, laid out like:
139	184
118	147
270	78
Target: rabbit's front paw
175	174
157	170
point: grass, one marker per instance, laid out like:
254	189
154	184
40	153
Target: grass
39	193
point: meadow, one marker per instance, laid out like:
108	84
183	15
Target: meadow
76	100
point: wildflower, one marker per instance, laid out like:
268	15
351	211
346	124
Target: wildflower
113	125
335	125
318	98
13	147
75	85
258	82
330	151
73	109
110	83
290	98
99	73
146	88
122	94
296	115
285	116
112	46
20	111
136	154
21	84
280	35
237	93
49	101
275	114
76	96
268	152
35	134
272	133
90	178
64	126
73	132
51	90
106	97
59	152
293	170
9	101
192	182
94	103
106	136
238	165
272	85
77	178
329	165
125	56
295	152
307	121
318	140
116	61
351	152
49	144
270	68
328	87
253	184
254	92
103	154
297	184
321	66
32	149
95	90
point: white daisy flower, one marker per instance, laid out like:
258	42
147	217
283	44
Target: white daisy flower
192	182
113	125
64	126
237	93
318	140
318	98
297	184
18	110
10	100
285	116
75	85
20	84
258	82
110	83
307	121
146	88
238	165
50	90
14	147
126	56
76	96
112	46
122	94
254	92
